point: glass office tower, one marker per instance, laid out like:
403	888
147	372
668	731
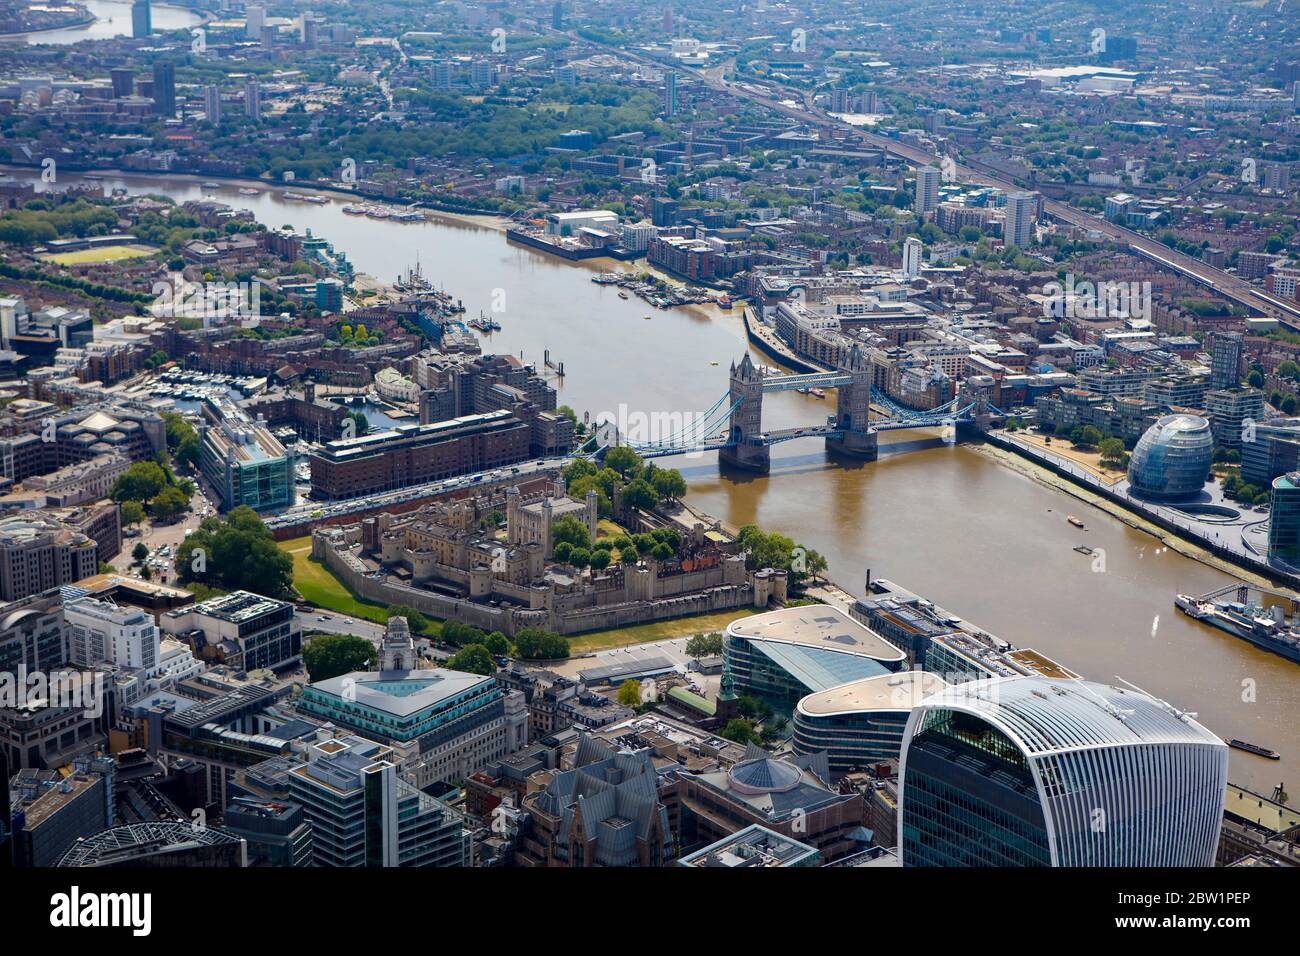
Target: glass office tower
1030	771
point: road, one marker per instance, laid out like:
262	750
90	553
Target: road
158	536
1224	283
332	623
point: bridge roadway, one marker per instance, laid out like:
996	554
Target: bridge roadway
1224	283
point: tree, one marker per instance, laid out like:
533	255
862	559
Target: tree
571	530
669	484
629	555
661	552
1086	436
533	644
182	439
141	482
1112	451
705	645
139	552
599	559
473	659
640	494
623	460
132	512
332	655
497	643
235	553
741	731
361	424
169	503
629	693
417	622
1255	379
563	551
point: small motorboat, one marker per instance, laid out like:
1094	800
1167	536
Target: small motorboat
1077	522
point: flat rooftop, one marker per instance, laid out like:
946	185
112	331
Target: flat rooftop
816	625
401	693
886	692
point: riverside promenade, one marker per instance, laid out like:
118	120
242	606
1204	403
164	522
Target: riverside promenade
1240	541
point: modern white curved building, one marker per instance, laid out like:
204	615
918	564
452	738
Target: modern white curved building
782	656
1031	771
861	722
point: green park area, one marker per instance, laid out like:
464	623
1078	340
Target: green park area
115	253
655	631
318	585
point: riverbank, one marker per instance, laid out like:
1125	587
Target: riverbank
1175	542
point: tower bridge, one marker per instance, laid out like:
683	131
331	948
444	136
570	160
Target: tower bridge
733	426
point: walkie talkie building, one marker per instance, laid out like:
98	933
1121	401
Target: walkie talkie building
1030	771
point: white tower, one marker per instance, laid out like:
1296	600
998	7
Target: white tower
398	652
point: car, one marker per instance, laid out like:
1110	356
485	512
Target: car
323	617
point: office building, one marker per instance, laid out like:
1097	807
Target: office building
1233	414
928	180
755	847
141	19
253	100
48	811
277	833
164	88
1274	451
38	551
912	249
441	724
158	844
99	632
212	103
242	460
442	74
1225	360
416	454
1030	771
557	16
363	814
1022	215
861	723
1172	460
1284	519
32	634
123	80
243	630
783	656
670	93
254	21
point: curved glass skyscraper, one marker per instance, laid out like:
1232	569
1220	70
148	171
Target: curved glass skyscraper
1172	459
1029	771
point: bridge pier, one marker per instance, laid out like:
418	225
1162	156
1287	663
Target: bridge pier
863	446
746	456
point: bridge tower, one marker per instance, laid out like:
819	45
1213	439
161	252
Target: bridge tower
853	410
747	450
978	390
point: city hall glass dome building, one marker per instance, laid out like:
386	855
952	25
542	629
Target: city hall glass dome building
1032	771
1172	459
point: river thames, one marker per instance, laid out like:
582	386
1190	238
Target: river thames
977	537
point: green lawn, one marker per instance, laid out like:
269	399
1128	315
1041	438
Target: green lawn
319	586
656	631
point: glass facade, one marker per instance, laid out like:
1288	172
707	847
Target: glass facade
969	797
1172	460
850	740
1284	519
783	674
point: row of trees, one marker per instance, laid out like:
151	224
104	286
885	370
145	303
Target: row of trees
151	486
643	484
